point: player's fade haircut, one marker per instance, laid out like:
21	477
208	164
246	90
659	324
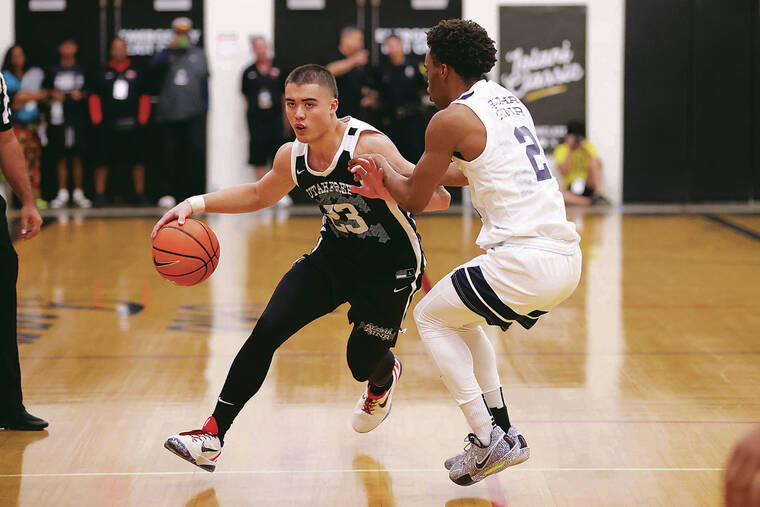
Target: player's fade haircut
313	74
463	45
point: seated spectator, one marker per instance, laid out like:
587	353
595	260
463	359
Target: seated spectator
580	167
68	123
119	107
24	85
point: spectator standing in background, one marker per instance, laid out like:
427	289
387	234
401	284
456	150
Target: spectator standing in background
119	108
349	66
181	114
580	167
401	86
25	91
262	87
68	123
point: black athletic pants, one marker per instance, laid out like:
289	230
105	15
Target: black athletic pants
184	157
311	289
10	372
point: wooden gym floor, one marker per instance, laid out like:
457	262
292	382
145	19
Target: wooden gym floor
632	392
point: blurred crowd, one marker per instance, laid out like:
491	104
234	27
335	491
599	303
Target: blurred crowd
88	133
77	124
74	121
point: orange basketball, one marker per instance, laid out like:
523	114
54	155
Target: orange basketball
185	254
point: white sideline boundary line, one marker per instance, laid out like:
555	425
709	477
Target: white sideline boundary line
353	471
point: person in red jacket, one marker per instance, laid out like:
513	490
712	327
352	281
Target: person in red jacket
119	108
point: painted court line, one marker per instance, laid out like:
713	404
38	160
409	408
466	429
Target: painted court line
358	471
731	225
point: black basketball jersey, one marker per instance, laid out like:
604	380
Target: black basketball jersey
357	230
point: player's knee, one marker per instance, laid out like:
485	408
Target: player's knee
265	334
360	369
422	314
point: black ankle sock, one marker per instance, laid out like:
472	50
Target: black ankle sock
224	413
378	390
382	378
500	417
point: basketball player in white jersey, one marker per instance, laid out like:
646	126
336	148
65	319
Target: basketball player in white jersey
532	260
354	230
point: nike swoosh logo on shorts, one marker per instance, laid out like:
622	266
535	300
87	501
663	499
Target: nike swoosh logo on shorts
399	290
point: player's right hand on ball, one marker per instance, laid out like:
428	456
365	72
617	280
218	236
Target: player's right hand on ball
181	211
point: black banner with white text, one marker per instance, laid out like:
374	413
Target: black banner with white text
543	61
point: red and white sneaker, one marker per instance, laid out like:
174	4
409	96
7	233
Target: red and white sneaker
371	410
200	447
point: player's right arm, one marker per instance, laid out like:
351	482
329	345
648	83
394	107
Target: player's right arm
243	198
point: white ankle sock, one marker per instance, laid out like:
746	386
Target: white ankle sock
494	399
477	415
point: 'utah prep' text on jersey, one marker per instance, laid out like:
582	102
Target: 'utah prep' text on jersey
370	232
511	187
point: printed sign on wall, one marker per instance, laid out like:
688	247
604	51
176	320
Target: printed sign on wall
543	61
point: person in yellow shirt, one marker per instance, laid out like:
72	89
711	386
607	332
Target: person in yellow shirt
580	167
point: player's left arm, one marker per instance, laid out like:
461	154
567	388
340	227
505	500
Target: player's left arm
379	144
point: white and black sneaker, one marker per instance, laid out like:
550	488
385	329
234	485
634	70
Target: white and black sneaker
200	447
524	453
479	461
514	434
371	410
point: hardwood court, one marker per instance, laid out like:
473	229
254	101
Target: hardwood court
630	393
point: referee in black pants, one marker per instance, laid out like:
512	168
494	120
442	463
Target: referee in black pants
13	415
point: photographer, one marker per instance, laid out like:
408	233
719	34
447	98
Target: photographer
580	167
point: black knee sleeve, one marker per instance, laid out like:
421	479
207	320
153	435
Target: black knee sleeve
369	358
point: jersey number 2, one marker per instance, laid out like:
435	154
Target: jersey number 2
533	150
345	218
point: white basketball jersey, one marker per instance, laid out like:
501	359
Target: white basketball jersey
511	187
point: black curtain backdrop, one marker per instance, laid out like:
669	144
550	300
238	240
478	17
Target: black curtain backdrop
691	101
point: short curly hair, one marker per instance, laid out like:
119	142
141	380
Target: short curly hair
463	45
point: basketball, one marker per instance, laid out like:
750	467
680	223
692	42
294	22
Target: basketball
185	254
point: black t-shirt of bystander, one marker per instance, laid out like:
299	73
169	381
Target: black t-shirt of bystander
119	88
67	79
264	91
400	86
350	87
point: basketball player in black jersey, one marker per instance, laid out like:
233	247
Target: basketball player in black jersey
354	228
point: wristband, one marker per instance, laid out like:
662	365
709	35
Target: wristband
197	203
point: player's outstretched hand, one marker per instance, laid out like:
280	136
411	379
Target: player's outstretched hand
742	486
371	177
180	212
